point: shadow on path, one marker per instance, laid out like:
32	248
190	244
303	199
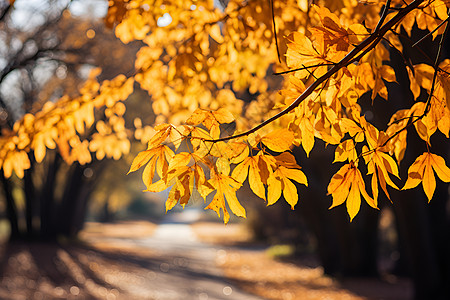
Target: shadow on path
170	264
183	267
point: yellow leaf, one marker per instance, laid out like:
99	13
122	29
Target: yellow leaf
348	184
279	140
282	176
179	160
415	172
414	87
353	201
428	181
294	174
380	165
176	138
149	172
339	185
374	185
160	136
353	129
17	161
172	199
356	33
156	187
157	159
240	172
226	188
441	169
255	180
301	53
273	190
39	148
223	165
240	152
331	31
250	167
388	73
285	159
176	174
197	117
307	131
290	192
141	159
223	116
345	151
421	171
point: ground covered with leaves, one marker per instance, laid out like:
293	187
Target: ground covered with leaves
100	267
256	269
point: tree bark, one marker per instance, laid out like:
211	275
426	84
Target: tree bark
11	209
47	199
29	190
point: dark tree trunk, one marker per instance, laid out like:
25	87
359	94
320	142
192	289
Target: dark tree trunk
424	229
70	203
11	209
47	199
73	207
30	199
344	248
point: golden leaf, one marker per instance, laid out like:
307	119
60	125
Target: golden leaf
226	188
348	184
421	171
279	140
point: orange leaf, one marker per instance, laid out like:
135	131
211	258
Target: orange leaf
421	171
348	184
279	140
226	188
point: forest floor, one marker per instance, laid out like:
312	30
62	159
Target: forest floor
141	260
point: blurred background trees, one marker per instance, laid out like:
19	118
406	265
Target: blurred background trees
48	49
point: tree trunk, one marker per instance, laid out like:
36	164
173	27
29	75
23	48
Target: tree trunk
47	199
70	201
344	248
11	209
30	199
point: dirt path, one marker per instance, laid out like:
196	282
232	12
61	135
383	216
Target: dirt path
119	261
187	268
181	266
141	260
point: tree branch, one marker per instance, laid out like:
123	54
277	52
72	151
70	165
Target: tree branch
370	42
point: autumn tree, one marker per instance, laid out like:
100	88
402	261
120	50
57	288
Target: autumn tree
222	120
45	58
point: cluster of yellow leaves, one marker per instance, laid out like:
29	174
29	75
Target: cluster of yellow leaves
197	53
421	171
184	173
331	112
64	124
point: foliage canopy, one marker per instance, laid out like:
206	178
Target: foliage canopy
198	61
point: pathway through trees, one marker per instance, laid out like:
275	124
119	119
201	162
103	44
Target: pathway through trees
187	268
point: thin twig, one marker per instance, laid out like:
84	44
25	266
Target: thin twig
430	33
436	67
303	68
386	8
275	31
